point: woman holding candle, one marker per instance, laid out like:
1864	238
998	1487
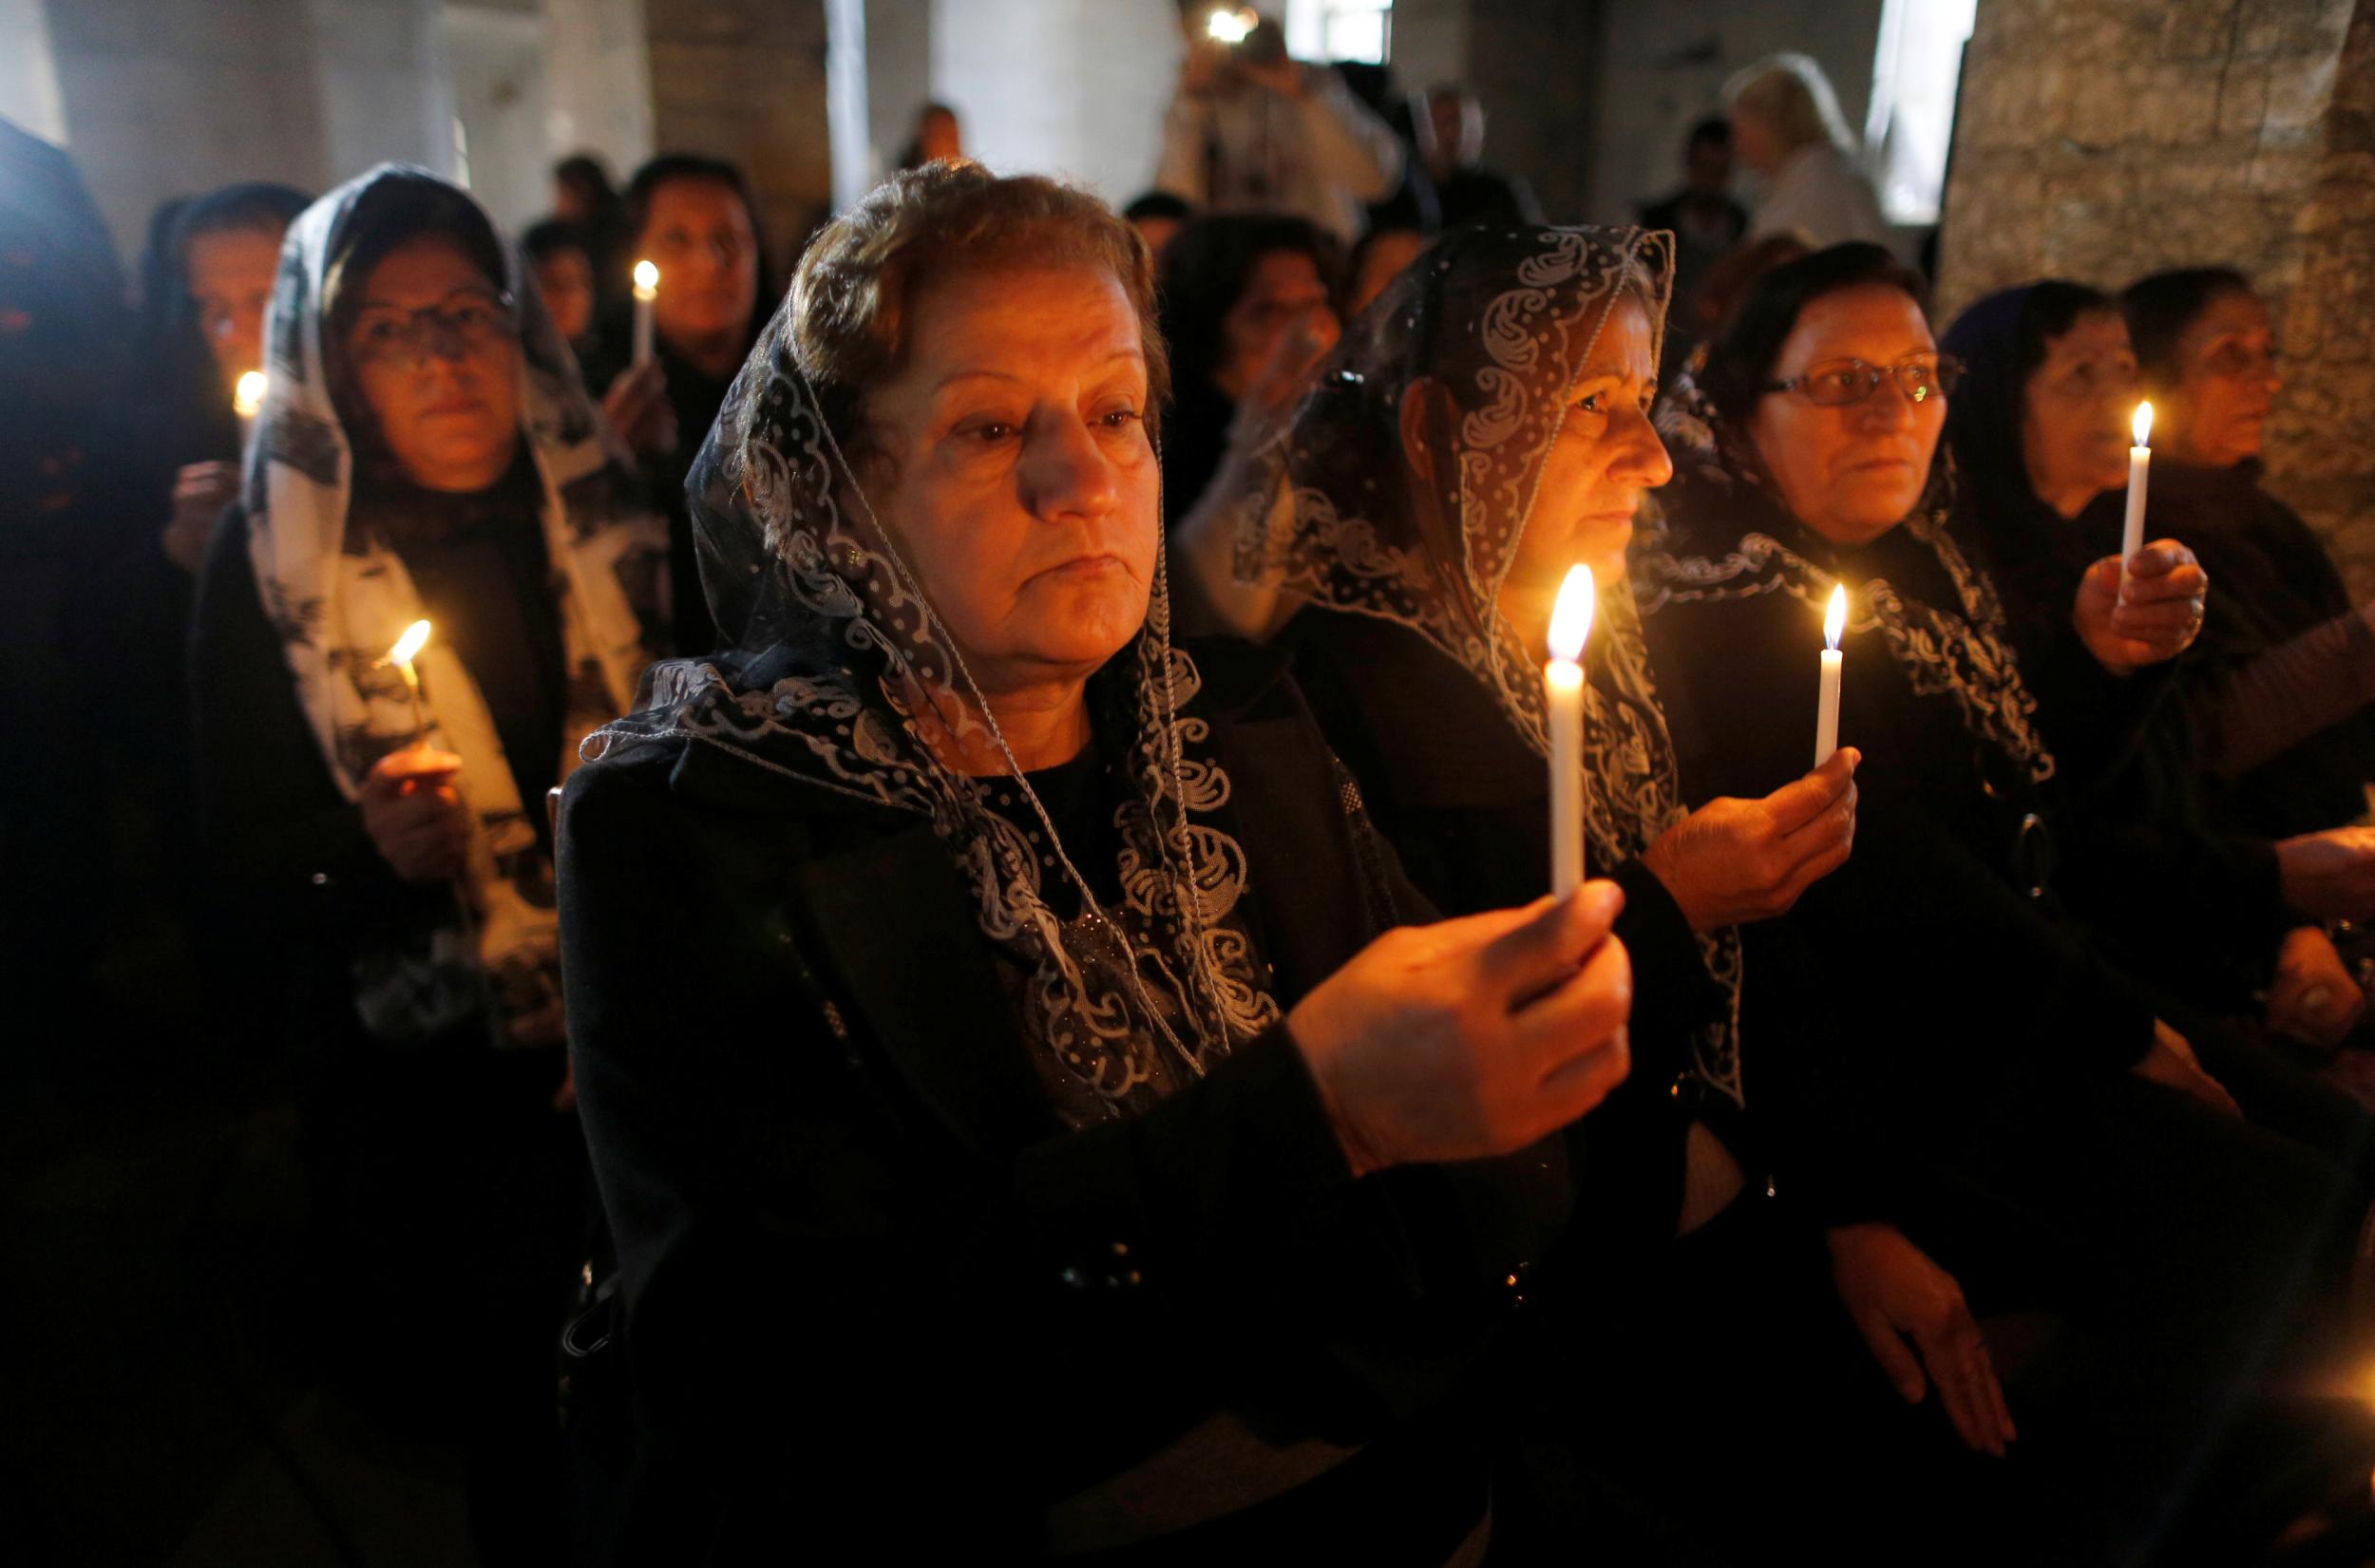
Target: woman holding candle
2204	910
2283	691
696	223
426	452
2011	1079
1029	1117
1421	515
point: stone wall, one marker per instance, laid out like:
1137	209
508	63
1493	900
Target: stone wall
744	79
2099	139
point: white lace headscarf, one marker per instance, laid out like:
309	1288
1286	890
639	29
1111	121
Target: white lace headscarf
1506	320
1124	1001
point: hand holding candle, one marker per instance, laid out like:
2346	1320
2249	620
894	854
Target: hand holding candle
1562	701
2140	469
646	291
1827	700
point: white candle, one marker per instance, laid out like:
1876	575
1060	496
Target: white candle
646	291
1563	697
2140	469
407	648
247	401
1827	702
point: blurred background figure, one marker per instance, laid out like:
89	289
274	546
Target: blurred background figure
938	135
2207	350
564	275
1450	142
1786	127
1703	216
1252	130
1246	311
1157	216
584	199
1378	261
694	218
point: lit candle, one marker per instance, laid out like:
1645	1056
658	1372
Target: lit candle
1827	703
1563	692
646	291
2139	466
407	648
247	401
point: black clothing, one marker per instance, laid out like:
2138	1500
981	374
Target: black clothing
861	1263
694	397
1473	195
1195	436
2274	590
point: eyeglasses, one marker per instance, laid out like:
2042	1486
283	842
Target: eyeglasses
464	324
1841	383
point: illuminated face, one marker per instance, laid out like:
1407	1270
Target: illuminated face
2226	382
1283	286
566	279
436	353
1020	480
2076	408
699	234
1851	473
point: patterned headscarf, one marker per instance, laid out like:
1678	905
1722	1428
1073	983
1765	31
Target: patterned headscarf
340	599
1123	1003
1730	536
1505	320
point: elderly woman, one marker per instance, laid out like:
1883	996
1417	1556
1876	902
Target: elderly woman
424	452
1019	1127
2040	432
1422	509
1786	127
2284	690
2037	1102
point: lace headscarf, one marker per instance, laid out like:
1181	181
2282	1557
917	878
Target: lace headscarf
1737	538
1123	1002
340	596
1505	319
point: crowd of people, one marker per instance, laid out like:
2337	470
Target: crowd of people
957	905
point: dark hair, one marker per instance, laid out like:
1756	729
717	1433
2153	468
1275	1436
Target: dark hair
1740	359
1159	205
2052	309
1206	268
672	166
2162	306
253	208
548	239
585	172
1713	128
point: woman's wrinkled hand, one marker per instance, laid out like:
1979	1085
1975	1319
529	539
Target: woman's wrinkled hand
1897	1293
202	492
414	812
2330	876
1472	1037
639	412
2171	1064
2155	617
1732	861
2312	998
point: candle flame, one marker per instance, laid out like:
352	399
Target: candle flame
1834	618
1228	26
646	280
1571	618
2143	424
409	646
247	398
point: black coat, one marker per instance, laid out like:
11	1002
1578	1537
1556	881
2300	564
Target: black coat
870	1284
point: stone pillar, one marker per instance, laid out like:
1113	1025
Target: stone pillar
744	79
2100	140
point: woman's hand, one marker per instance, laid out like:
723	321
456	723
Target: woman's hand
1472	1037
1896	1293
200	492
2171	1064
2330	876
637	409
2154	620
2312	999
1732	861
414	813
